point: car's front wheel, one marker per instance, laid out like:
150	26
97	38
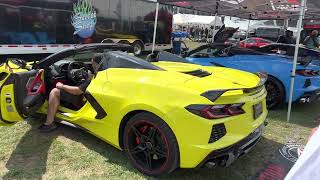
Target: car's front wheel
151	145
276	93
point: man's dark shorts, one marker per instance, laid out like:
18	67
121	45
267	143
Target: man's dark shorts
75	99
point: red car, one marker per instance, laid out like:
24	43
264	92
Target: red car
254	42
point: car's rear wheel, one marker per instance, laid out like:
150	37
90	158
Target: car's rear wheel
151	145
276	93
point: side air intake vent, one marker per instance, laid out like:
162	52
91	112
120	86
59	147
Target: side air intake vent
218	131
3	75
198	73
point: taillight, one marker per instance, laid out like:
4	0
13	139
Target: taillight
307	72
216	111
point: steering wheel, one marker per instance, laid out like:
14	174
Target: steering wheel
77	71
224	52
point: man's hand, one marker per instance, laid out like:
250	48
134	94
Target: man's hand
59	85
74	90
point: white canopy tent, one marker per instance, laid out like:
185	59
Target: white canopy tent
205	20
190	19
242	24
182	19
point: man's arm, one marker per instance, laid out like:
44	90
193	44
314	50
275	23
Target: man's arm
305	41
280	40
71	89
316	42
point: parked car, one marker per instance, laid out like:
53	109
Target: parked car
278	68
254	43
271	33
163	115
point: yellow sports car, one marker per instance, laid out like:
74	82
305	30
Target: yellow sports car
164	115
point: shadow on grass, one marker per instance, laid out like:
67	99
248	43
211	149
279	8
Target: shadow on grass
302	114
29	159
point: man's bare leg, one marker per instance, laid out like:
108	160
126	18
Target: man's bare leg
54	102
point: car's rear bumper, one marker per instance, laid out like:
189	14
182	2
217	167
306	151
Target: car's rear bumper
310	96
226	156
198	137
305	89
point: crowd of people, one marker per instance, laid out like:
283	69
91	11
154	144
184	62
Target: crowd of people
198	32
311	41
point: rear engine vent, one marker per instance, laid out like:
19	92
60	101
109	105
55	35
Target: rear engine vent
218	131
198	73
3	75
254	90
307	83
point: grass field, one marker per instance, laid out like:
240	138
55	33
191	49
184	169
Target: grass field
70	153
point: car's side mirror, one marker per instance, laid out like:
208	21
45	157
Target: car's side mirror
19	62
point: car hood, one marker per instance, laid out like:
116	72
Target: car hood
213	78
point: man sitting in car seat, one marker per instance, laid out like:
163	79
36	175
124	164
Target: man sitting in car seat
62	91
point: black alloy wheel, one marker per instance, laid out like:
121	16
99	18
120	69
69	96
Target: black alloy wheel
150	145
275	90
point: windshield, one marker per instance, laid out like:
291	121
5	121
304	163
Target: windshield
117	59
82	53
207	50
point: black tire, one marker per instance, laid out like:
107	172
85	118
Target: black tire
124	42
276	93
150	145
108	41
137	48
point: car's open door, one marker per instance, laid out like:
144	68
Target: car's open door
8	111
21	93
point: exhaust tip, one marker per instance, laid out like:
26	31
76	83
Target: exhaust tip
305	100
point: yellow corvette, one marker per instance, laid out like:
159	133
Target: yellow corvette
164	115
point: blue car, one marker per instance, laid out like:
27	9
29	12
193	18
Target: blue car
278	68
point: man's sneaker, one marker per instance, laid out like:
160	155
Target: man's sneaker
47	128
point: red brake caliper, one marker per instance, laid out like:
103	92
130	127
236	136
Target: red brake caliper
142	130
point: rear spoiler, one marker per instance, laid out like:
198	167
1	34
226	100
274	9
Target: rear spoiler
215	94
306	62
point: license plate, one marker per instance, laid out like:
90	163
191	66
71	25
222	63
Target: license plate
257	110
